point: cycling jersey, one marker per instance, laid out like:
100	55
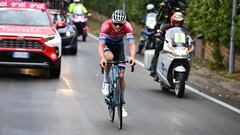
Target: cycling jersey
109	35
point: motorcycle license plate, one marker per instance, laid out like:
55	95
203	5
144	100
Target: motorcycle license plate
24	55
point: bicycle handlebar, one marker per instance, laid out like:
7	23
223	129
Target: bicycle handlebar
118	62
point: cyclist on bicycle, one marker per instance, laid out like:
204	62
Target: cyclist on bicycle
111	47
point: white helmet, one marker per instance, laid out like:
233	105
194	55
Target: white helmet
119	16
76	0
150	7
178	16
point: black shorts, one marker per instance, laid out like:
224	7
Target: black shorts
118	52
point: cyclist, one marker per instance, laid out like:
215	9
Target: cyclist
111	47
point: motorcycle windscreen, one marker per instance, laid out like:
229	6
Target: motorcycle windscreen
151	20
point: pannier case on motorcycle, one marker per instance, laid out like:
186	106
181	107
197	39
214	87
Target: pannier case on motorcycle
148	55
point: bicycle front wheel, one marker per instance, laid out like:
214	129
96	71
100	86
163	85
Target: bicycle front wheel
120	104
111	111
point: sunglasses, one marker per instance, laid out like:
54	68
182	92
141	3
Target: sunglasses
118	24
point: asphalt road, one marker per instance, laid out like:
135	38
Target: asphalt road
31	104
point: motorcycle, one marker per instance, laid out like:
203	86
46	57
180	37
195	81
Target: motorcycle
149	31
174	64
80	21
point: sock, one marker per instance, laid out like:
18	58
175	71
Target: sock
105	78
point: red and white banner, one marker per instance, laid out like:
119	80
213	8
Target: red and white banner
22	4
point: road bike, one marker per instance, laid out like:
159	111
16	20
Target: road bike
115	97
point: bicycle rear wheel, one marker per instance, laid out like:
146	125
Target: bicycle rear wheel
120	104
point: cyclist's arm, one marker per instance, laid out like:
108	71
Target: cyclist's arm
132	48
131	42
101	46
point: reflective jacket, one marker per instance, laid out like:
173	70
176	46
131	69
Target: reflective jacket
77	8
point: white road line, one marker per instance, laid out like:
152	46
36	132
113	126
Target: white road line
67	83
194	90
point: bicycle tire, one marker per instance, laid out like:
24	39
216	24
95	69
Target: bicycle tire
111	111
120	104
111	106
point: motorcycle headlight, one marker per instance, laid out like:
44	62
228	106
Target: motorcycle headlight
68	34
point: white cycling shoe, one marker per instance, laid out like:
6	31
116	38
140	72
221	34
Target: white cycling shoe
124	112
105	88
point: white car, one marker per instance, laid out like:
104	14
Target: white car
28	37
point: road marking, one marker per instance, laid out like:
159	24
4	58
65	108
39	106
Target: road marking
67	82
213	99
193	89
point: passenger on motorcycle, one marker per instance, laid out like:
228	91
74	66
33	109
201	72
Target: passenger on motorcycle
177	21
111	47
150	10
167	9
179	33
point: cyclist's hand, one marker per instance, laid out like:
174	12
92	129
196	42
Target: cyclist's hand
132	61
103	63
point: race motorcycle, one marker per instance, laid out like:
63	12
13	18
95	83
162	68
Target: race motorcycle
80	21
149	31
174	63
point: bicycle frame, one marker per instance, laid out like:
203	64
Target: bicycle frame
115	97
114	80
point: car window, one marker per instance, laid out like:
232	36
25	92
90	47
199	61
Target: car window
24	17
59	17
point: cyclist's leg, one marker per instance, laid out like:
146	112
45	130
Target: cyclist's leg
108	56
120	56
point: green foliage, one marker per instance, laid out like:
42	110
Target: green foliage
210	17
135	9
217	63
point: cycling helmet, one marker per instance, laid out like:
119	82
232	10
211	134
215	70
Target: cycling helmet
150	7
119	16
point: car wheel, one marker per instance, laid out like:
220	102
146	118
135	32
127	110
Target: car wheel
55	69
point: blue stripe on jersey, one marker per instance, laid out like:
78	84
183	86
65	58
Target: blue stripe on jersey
130	39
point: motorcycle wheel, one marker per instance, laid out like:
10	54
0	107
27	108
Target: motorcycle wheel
180	86
84	36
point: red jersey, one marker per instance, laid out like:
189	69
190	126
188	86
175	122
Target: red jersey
108	34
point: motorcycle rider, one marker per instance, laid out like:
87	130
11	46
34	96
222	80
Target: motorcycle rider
165	17
150	9
77	8
176	21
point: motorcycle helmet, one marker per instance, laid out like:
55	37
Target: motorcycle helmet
177	19
76	1
119	16
149	7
